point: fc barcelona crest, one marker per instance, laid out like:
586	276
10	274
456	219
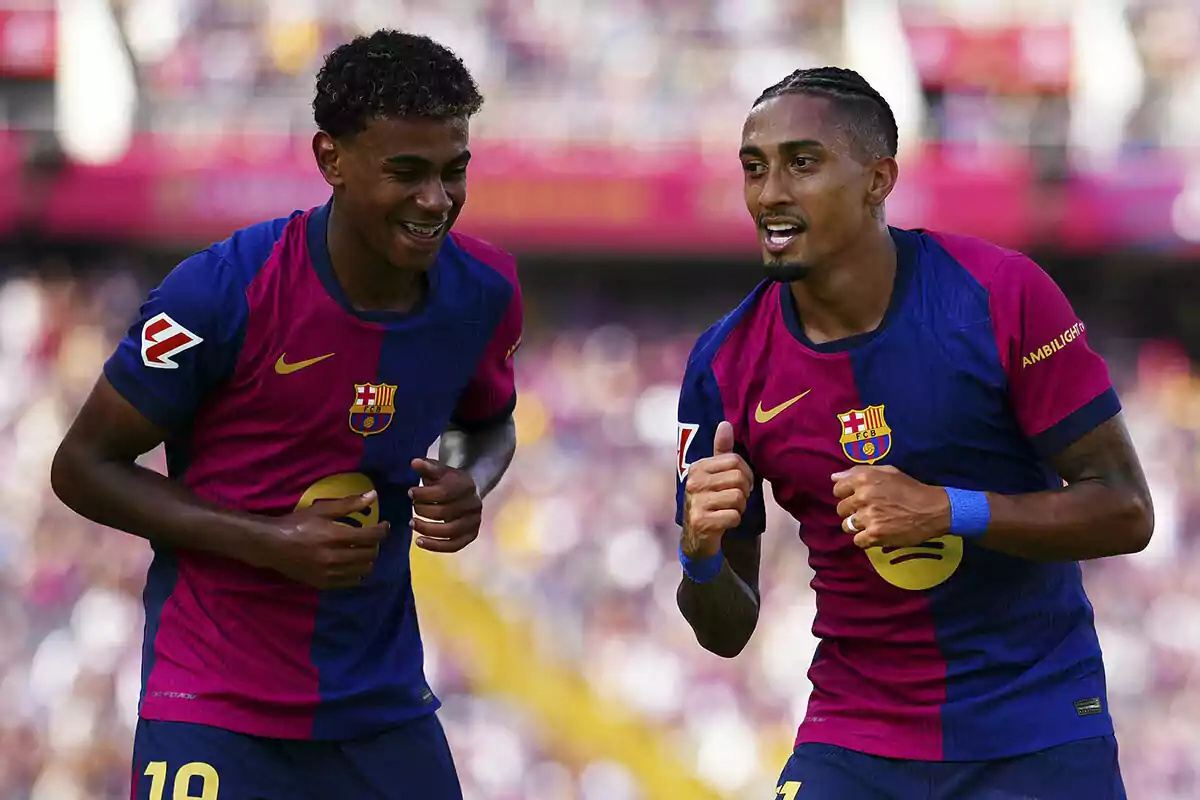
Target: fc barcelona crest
866	437
373	409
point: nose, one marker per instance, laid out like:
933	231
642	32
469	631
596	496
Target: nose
775	189
434	199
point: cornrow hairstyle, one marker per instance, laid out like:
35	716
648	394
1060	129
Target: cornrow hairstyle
868	116
390	75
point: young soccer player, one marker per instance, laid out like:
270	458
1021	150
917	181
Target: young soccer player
916	400
298	373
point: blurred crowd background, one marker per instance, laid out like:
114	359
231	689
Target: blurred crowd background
134	131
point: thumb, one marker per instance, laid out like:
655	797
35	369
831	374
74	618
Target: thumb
429	469
723	440
333	509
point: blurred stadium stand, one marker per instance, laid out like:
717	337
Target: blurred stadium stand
134	130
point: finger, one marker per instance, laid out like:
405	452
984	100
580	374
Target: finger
429	469
445	537
845	487
848	506
722	520
722	463
347	536
445	545
861	470
446	530
333	509
448	512
716	482
443	492
734	499
723	439
866	540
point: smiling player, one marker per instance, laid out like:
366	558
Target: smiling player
915	400
298	373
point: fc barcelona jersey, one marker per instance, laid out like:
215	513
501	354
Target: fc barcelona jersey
277	393
979	371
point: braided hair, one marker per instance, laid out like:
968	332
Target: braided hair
865	113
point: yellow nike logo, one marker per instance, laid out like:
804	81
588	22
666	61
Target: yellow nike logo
284	368
763	417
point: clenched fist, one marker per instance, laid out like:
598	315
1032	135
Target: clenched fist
715	496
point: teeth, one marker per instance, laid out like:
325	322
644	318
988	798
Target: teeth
423	230
780	226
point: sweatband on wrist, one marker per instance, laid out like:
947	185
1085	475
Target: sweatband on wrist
970	513
701	570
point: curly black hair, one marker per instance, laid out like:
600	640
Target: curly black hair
387	75
867	115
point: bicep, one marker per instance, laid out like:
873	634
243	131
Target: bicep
109	428
1105	454
744	555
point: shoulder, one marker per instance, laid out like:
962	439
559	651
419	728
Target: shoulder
246	251
482	258
735	327
993	267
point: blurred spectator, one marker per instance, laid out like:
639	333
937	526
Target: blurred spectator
580	539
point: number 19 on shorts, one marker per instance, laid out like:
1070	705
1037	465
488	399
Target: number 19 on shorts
194	781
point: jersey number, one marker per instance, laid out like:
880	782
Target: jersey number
788	790
181	789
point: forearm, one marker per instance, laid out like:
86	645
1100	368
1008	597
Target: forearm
723	612
145	503
1086	520
485	454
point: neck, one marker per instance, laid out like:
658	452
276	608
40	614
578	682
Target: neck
369	281
850	293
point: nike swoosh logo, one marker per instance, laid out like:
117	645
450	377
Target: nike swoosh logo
763	417
284	368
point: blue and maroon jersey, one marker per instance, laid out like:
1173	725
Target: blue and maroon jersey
278	393
978	373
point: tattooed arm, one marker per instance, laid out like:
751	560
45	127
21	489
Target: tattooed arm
1104	510
723	612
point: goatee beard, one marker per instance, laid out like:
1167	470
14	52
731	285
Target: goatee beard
786	272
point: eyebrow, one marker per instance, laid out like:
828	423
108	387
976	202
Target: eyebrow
789	146
419	161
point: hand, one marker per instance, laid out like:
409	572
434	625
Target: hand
889	509
447	509
715	496
312	547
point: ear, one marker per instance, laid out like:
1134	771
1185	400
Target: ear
883	179
328	154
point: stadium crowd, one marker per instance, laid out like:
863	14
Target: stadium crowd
580	539
644	72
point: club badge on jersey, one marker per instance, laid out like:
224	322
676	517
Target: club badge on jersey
866	437
373	408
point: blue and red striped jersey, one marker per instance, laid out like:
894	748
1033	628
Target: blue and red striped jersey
277	393
979	371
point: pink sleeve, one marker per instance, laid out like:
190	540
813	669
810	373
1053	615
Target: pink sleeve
1058	386
491	393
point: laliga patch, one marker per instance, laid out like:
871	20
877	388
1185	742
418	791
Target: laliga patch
162	339
684	435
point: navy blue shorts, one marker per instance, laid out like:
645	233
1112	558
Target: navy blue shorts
1074	771
175	759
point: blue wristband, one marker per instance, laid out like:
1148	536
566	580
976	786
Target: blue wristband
970	513
701	570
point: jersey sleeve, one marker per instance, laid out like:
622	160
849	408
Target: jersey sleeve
1059	387
491	394
700	411
184	343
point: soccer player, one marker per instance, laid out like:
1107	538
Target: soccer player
916	401
298	373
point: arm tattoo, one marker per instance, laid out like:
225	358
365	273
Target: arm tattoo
723	612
